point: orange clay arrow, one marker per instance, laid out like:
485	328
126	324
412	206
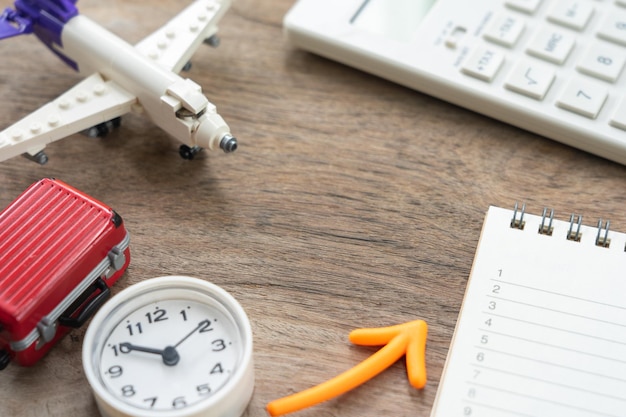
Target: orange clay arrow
404	339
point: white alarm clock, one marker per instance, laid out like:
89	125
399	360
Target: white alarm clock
170	346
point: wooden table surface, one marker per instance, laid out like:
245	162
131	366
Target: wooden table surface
351	202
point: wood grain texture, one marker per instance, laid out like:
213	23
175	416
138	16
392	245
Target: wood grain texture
351	202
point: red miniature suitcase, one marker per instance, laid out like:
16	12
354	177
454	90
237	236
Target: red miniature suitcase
60	252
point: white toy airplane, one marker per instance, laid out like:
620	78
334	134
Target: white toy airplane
120	78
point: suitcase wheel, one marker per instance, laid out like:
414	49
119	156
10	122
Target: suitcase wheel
5	358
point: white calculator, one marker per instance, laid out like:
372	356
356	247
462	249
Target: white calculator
553	67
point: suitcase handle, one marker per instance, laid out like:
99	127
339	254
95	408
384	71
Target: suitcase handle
66	318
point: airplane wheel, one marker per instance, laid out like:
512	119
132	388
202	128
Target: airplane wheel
98	131
103	129
213	41
187	152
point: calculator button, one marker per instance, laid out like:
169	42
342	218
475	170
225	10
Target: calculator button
505	30
583	97
572	14
526	6
619	118
483	63
551	45
603	62
613	28
530	79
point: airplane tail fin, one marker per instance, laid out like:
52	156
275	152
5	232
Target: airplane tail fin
43	17
14	24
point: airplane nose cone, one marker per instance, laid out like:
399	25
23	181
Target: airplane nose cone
213	132
228	143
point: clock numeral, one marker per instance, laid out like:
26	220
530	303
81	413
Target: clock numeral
121	349
158	315
206	326
217	369
115	371
130	329
203	389
128	391
179	402
218	345
152	401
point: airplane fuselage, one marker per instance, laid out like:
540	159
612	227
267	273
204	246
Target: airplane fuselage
175	104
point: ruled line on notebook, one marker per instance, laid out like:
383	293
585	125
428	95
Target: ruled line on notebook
545	381
572	297
545	400
554	310
545	326
557	365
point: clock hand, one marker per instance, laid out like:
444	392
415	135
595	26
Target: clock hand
201	324
169	354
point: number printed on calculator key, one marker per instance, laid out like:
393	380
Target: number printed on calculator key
613	28
605	62
583	97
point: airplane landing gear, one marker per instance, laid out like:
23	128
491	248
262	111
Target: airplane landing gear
103	129
213	41
188	152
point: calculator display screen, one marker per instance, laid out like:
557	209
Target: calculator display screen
396	19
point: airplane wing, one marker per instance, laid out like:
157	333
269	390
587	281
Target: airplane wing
89	103
174	43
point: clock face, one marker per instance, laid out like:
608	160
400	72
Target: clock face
170	354
170	346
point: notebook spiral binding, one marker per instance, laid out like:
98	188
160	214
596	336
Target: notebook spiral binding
575	222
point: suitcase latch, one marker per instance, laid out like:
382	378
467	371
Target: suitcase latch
117	260
47	329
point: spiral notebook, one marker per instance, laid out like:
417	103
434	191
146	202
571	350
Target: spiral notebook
542	328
